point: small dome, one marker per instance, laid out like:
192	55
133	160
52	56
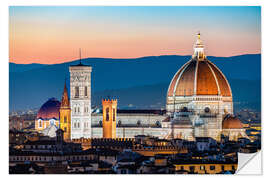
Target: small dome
49	110
231	122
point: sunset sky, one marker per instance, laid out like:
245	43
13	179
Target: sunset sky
51	35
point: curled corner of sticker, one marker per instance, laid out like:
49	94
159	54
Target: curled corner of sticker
249	163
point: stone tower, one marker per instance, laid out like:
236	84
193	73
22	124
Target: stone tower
80	100
109	118
65	115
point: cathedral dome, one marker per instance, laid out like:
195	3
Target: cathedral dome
199	76
49	110
231	123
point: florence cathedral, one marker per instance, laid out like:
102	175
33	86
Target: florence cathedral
199	104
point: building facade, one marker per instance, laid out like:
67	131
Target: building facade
80	100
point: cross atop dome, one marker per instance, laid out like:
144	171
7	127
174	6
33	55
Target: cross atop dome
199	49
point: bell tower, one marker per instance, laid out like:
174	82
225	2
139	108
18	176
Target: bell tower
80	100
109	118
65	115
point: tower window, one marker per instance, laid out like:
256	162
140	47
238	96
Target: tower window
114	114
77	94
65	119
107	114
52	122
65	129
40	123
119	123
85	91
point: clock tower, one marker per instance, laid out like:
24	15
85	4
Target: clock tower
80	100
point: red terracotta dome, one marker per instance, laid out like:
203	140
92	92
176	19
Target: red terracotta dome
199	78
49	110
231	123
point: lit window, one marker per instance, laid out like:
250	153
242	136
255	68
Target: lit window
52	122
40	123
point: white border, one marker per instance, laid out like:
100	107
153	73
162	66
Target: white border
4	72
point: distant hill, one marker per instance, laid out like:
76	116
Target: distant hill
31	85
246	94
13	67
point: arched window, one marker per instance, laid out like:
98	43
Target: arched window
100	123
119	123
52	122
107	114
65	119
85	91
77	94
158	124
78	125
114	114
139	123
75	125
40	123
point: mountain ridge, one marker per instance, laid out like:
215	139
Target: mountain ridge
40	82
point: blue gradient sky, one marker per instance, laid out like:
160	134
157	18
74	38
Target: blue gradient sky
54	34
